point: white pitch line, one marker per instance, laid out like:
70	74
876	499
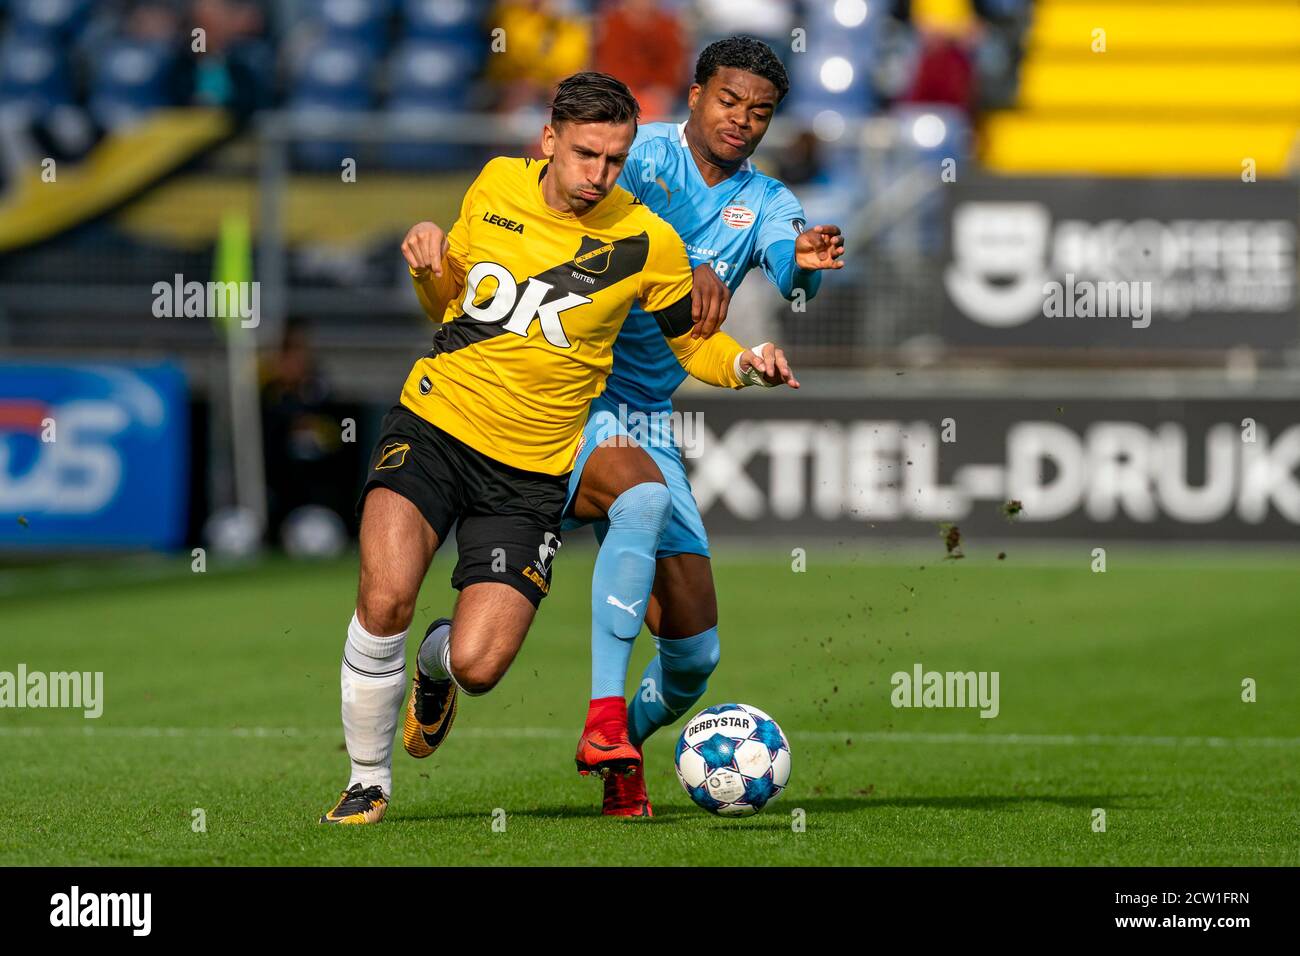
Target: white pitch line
557	733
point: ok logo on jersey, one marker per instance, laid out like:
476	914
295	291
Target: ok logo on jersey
523	307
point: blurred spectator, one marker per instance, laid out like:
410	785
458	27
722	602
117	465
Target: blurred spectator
645	47
154	20
544	42
235	68
944	73
800	163
305	455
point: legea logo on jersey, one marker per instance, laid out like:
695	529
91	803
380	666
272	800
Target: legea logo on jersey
738	217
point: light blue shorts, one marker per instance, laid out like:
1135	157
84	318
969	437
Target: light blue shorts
652	431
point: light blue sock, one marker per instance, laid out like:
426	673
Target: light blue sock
673	681
620	585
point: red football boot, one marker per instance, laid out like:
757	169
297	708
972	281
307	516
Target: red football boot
625	796
603	747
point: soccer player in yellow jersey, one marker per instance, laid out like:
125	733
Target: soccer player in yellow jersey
533	282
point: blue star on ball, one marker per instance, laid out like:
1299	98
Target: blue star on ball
768	734
718	752
759	790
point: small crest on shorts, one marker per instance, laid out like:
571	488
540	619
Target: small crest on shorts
393	456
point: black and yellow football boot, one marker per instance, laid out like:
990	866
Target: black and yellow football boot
431	709
358	804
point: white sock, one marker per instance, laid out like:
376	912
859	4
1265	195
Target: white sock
434	655
373	681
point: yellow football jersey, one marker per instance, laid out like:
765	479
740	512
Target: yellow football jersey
536	298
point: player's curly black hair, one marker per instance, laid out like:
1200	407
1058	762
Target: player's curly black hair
743	53
593	97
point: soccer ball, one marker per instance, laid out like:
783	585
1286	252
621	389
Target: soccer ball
733	759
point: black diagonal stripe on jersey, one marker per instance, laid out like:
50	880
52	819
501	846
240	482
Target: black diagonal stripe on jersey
464	331
626	257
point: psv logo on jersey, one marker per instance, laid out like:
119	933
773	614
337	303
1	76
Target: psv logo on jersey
519	306
738	217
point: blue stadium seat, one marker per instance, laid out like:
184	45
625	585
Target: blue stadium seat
455	20
33	75
48	19
359	21
131	78
857	46
432	74
427	81
337	73
333	79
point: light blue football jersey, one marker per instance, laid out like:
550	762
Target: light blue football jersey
745	221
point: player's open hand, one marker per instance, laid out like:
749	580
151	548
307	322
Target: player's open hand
770	364
424	248
709	300
819	248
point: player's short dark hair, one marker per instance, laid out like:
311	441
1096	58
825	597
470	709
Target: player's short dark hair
593	97
743	53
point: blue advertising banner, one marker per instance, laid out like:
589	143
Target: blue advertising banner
93	456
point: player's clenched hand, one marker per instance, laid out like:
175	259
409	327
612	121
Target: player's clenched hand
770	364
709	300
819	248
424	247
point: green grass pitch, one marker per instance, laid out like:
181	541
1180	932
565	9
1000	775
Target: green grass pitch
1119	691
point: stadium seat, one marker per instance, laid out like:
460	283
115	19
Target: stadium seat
131	78
359	21
815	87
333	79
1184	88
336	73
454	20
1148	26
431	74
427	80
33	76
59	20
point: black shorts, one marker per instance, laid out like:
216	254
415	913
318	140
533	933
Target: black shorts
509	519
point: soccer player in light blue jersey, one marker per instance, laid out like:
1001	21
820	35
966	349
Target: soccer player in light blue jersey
697	176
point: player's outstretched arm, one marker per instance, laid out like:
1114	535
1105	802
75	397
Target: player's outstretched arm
722	361
795	265
819	248
433	267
